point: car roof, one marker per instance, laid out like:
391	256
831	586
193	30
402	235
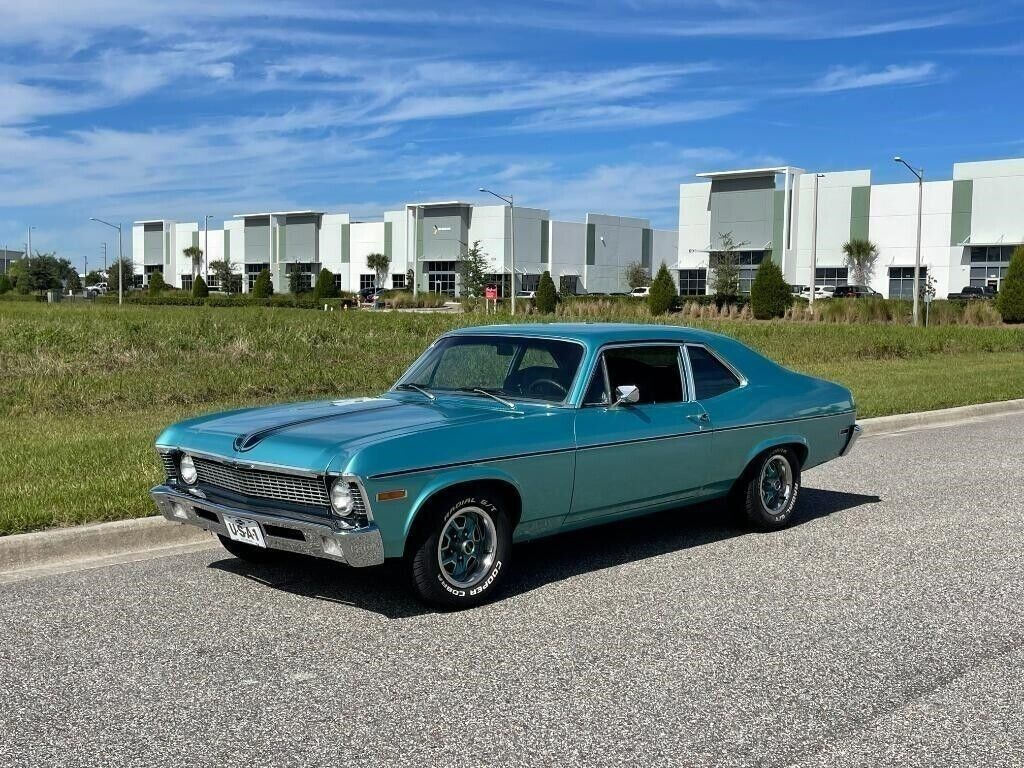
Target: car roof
592	334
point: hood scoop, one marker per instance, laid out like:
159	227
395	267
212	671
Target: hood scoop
247	442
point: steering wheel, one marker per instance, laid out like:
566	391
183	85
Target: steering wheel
549	382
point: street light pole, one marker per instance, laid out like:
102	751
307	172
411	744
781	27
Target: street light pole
512	244
29	245
919	173
814	237
206	248
120	258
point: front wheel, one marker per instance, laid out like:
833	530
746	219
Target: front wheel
773	484
462	552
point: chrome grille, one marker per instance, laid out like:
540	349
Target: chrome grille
170	465
295	489
358	504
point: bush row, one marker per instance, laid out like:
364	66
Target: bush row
301	301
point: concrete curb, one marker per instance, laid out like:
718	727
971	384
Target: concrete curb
79	543
884	425
102	542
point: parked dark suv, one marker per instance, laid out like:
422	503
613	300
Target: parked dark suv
855	292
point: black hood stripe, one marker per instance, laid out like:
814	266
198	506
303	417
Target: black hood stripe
249	441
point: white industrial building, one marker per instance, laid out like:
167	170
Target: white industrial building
970	225
426	238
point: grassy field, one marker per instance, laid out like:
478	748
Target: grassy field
84	390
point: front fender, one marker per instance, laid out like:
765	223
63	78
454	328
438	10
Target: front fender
455	477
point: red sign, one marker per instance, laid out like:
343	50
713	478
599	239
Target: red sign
490	292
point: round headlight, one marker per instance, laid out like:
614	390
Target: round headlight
187	469
341	498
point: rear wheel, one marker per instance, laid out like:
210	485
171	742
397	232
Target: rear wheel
250	553
461	552
771	490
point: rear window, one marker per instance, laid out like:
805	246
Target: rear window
710	377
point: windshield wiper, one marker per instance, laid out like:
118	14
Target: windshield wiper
417	388
488	393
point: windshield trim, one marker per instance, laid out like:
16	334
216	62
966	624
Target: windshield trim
566	402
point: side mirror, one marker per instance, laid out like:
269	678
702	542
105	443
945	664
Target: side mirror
627	394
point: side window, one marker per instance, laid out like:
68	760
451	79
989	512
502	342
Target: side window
710	377
653	370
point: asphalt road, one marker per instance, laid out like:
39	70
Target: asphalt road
884	628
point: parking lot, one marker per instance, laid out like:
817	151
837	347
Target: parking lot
883	628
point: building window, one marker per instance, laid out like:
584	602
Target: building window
398	281
831	276
748	263
440	276
252	271
989	264
982	254
529	282
186	283
367	282
149	269
693	282
441	282
306	269
901	282
337	282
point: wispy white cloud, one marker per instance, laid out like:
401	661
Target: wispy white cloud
842	78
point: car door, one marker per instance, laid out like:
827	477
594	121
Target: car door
633	456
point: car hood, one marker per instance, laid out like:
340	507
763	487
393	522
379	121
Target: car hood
310	435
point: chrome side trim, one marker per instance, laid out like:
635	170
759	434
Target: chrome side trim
359	548
852	432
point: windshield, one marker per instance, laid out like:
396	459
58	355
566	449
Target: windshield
514	368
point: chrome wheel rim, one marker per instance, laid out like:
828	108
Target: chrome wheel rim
776	484
465	549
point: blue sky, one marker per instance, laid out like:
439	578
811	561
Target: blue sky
128	110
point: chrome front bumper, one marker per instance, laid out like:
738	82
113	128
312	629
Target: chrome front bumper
359	548
852	433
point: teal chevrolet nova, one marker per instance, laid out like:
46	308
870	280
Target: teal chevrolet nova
502	434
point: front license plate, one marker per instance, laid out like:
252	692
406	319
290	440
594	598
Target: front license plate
245	531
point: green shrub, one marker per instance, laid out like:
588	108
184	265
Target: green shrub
546	297
770	296
199	288
5	284
325	287
157	285
262	287
1010	301
663	292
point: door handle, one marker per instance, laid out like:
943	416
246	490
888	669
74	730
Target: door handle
699	418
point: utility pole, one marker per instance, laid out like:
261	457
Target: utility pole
512	237
104	259
206	249
919	173
814	236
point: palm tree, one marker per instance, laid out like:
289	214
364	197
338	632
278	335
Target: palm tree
195	253
861	256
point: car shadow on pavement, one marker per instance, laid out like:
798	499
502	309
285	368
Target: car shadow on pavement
385	590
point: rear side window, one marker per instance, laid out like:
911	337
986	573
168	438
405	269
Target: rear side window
710	377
